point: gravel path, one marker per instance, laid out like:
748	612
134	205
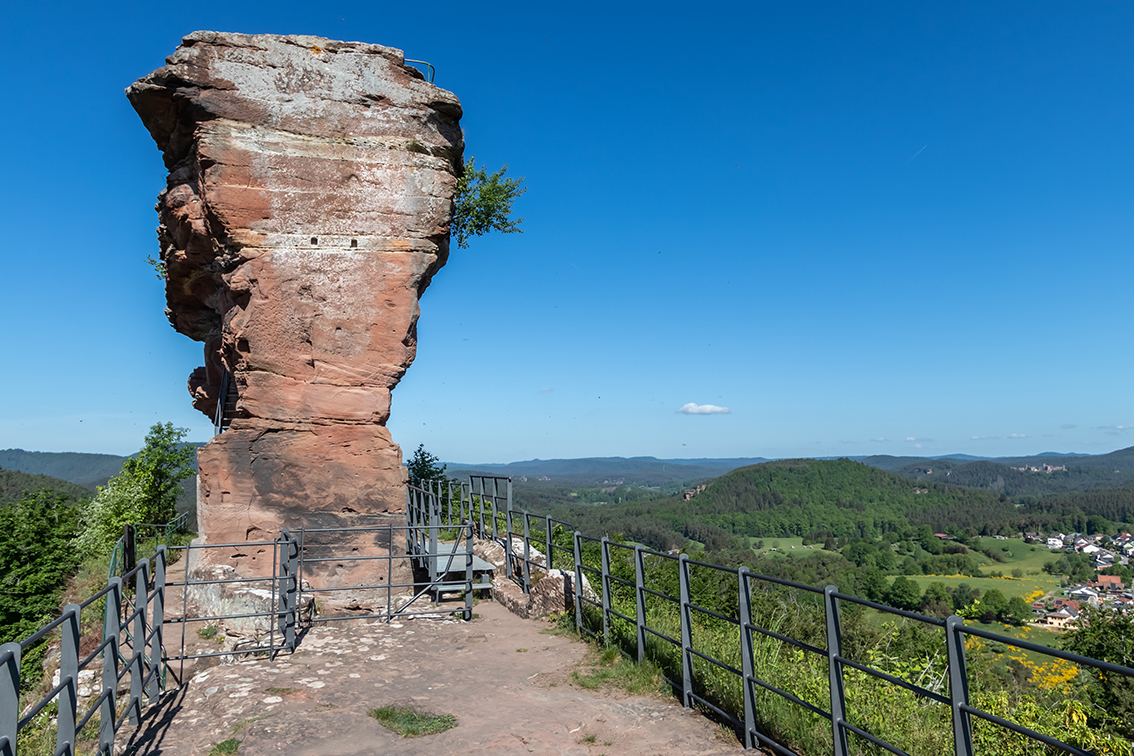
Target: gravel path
506	682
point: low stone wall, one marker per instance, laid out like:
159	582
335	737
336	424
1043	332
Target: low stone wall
551	591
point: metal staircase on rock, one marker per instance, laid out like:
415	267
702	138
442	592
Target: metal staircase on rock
226	403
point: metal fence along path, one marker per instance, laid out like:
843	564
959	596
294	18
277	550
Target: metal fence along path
619	612
698	621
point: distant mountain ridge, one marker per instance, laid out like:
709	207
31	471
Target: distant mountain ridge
14	485
1085	472
87	470
1056	475
635	471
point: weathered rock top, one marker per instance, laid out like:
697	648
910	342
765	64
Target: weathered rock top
301	84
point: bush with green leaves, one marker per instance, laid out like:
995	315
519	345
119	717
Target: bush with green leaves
145	491
483	203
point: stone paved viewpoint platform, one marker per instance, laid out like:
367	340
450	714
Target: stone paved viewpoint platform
506	700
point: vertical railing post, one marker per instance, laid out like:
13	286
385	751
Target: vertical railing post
604	548
686	631
835	670
496	522
640	599
578	588
466	497
283	608
138	642
111	631
129	548
157	619
295	588
434	553
411	498
287	608
527	555
958	686
547	542
468	571
9	697
69	677
508	530
480	499
747	654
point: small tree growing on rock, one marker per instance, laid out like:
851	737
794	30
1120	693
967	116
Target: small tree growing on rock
483	203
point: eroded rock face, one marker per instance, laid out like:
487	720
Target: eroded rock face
307	208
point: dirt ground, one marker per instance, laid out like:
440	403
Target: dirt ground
506	681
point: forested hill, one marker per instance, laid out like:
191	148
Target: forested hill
799	497
13	486
1105	471
88	470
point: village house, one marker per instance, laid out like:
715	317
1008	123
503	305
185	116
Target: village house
1060	619
1060	603
1110	583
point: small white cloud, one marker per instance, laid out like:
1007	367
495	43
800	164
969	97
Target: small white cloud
984	438
1115	428
878	440
917	446
546	390
704	409
910	438
1017	435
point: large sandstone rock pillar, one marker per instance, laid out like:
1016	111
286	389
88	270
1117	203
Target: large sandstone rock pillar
307	208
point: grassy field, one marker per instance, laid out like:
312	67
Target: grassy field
1024	588
785	546
1024	556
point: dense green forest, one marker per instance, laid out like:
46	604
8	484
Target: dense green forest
48	526
1083	473
859	526
38	519
803	497
1087	512
13	485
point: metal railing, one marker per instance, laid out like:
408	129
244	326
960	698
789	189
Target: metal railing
432	71
220	415
633	609
122	654
133	536
629	610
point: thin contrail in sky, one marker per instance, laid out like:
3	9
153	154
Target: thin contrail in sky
916	154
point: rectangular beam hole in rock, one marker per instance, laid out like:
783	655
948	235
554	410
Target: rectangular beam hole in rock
354	242
314	241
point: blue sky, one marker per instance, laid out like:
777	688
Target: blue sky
863	228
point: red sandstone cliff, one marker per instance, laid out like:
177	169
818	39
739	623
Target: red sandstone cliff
307	208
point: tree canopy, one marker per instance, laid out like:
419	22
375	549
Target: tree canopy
425	466
483	203
144	492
